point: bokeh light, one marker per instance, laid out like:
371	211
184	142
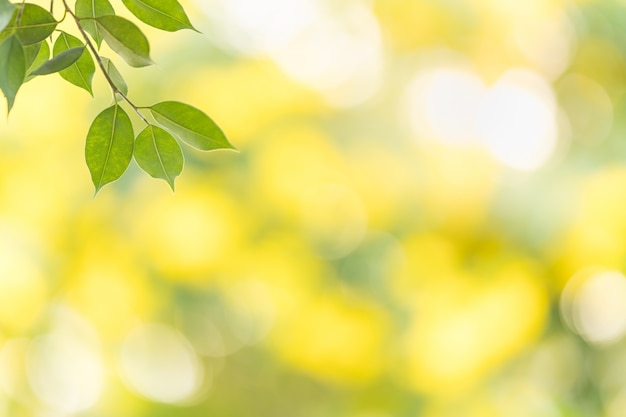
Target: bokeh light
517	120
443	104
159	363
593	305
334	49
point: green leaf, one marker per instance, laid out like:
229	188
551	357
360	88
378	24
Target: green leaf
80	73
90	9
43	54
33	62
115	75
60	62
190	125
125	38
32	52
158	153
6	13
12	68
5	34
35	24
162	14
109	146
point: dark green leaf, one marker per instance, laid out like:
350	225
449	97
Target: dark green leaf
60	61
125	38
158	153
109	146
90	9
162	14
6	12
190	125
35	24
34	61
115	75
12	68
79	73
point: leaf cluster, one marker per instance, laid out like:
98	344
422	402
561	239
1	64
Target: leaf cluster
32	44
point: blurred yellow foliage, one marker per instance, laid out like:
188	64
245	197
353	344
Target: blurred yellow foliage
189	235
462	332
375	248
335	337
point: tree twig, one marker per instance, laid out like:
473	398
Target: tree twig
95	53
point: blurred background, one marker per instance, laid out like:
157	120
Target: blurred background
426	218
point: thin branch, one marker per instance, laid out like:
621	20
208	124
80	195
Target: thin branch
95	53
18	18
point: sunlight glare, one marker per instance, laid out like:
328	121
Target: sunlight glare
339	55
64	372
334	49
517	120
253	27
599	311
442	103
160	364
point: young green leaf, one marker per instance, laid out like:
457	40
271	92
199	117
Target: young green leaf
109	146
35	24
89	9
33	61
60	62
115	75
80	72
162	14
158	153
125	38
6	12
12	68
190	125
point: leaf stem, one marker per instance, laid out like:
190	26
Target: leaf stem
95	53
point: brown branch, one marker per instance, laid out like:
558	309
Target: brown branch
95	53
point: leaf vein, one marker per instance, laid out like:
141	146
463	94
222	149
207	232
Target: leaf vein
189	130
35	25
106	160
159	155
161	12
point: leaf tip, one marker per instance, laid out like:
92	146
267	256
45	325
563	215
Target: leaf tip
229	146
144	62
10	103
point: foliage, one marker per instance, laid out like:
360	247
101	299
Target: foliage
29	33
